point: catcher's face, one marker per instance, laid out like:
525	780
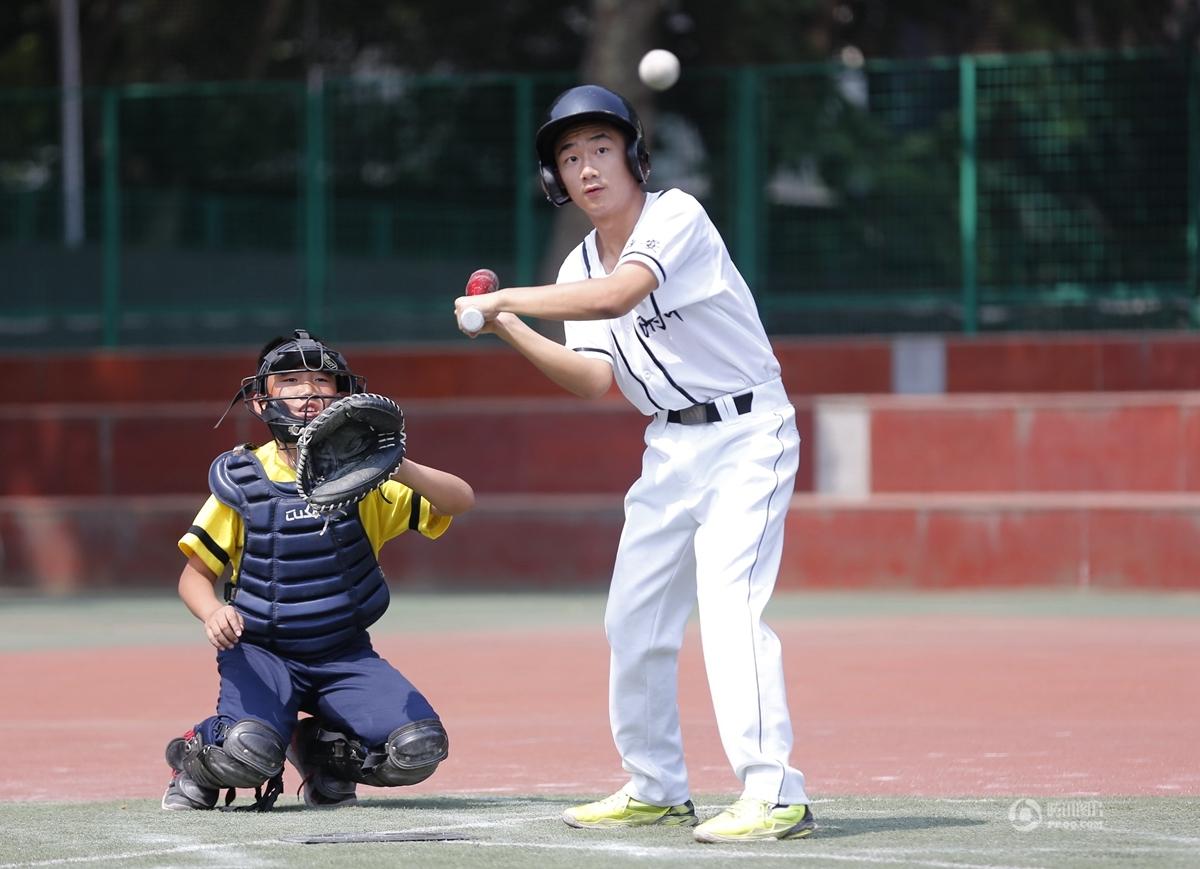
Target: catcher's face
304	394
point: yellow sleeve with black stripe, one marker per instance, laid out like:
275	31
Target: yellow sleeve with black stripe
393	509
215	536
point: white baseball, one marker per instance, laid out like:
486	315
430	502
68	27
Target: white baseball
658	69
471	320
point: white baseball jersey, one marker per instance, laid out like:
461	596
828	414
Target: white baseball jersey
704	522
671	351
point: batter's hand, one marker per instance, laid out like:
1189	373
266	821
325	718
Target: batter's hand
224	627
485	304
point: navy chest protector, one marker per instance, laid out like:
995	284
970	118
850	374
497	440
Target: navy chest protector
302	593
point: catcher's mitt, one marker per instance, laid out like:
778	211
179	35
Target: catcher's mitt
352	447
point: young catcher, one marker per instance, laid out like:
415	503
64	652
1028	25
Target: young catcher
290	628
651	298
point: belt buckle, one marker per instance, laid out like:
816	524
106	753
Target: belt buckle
694	415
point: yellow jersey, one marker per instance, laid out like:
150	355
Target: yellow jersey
217	535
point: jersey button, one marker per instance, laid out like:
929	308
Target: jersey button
648	375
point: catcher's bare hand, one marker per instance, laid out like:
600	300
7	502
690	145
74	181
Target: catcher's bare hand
224	627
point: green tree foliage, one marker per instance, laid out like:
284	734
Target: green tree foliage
166	40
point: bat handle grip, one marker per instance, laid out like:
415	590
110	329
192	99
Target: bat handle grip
482	281
471	320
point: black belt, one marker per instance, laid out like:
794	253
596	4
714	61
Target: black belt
701	413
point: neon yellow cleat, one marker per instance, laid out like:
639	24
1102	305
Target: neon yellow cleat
622	810
749	820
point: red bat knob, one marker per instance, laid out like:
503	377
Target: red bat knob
482	281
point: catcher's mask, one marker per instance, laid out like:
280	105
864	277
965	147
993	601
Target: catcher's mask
301	352
579	105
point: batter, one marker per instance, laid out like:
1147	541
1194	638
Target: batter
651	299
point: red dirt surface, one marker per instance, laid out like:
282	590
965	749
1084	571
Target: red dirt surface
925	706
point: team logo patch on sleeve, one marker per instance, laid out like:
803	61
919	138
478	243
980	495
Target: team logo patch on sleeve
650	244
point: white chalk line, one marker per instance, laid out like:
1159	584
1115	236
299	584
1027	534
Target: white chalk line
795	850
131	855
1160	837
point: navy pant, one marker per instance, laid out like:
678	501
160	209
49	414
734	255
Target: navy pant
353	691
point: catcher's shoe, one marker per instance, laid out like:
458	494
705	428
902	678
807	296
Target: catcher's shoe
320	789
622	810
183	794
749	820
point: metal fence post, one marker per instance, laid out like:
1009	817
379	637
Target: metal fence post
111	233
526	249
747	194
1193	182
315	203
72	123
968	205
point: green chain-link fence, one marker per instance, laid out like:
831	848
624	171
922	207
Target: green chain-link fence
978	193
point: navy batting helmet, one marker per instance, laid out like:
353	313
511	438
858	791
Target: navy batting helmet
579	105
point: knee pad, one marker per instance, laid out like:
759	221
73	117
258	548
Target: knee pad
413	753
250	754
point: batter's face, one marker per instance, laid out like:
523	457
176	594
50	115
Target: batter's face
591	163
305	393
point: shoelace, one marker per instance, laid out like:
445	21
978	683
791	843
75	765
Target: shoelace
265	796
748	806
303	782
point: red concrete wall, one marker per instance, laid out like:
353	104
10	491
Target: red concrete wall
1137	442
816	367
114	449
568	542
123	377
946	542
105	459
488	369
1073	363
1094	442
559	447
528	445
49	456
62	545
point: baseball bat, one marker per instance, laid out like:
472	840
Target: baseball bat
481	281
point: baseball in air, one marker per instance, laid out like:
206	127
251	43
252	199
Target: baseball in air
659	69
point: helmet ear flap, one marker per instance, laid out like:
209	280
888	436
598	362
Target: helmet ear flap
552	186
639	158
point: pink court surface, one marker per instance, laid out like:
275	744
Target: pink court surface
919	700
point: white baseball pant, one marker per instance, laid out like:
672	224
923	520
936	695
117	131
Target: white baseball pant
704	524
